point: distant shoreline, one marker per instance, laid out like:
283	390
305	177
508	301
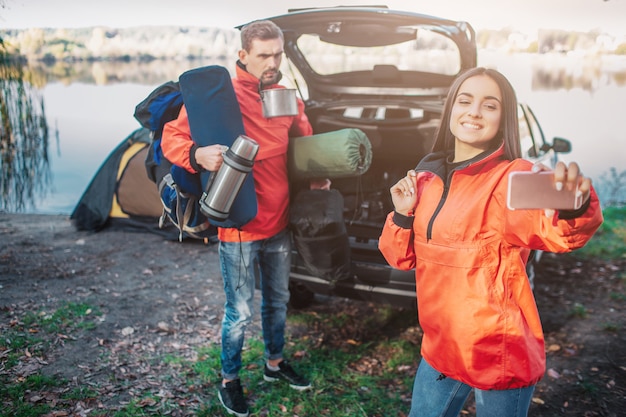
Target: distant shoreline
145	43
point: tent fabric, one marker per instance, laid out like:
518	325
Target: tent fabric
135	195
120	194
337	154
93	208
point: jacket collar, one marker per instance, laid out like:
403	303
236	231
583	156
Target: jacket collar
436	162
245	78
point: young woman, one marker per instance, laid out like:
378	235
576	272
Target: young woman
451	223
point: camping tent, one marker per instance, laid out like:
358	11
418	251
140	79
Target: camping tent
120	193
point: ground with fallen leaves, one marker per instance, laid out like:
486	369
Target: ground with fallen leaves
152	301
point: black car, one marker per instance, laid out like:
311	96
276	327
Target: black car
386	73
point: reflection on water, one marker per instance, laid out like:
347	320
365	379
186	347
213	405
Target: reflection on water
549	72
556	72
152	72
24	136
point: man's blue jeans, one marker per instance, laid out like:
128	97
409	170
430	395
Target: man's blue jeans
438	396
240	263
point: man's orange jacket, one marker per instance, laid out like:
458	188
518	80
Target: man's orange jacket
475	303
270	166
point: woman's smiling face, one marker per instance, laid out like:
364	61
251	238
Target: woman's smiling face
475	116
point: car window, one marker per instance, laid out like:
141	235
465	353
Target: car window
423	51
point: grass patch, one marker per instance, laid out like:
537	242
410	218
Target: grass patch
18	396
609	242
25	333
29	338
579	310
611	327
371	376
134	409
80	393
69	316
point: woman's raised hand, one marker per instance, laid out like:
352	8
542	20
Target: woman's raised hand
404	195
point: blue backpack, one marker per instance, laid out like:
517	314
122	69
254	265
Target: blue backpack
161	106
178	189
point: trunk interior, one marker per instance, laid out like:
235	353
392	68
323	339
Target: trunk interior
399	136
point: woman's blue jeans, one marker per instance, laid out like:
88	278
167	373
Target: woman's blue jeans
241	262
437	396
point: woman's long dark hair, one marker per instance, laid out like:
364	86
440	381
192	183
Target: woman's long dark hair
509	124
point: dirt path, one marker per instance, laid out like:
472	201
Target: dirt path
137	279
153	299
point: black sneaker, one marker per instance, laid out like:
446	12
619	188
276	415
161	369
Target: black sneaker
286	373
231	397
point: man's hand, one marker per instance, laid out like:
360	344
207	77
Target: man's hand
320	184
210	157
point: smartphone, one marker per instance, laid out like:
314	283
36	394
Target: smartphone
536	190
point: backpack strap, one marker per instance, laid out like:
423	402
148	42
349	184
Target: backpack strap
182	209
168	181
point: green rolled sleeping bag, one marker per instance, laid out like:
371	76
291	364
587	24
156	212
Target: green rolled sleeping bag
337	154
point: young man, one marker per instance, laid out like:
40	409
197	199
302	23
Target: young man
263	243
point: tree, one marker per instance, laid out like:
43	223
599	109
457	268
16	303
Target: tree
24	164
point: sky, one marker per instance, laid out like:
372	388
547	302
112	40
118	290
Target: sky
524	15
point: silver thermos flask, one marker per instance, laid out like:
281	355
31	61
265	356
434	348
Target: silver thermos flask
225	184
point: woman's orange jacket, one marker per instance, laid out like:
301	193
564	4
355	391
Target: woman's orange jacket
270	165
475	303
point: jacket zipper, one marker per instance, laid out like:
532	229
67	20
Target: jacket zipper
447	181
444	196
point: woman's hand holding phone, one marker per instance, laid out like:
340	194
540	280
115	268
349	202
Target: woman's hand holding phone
564	188
569	176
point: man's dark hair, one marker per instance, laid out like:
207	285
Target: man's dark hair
259	29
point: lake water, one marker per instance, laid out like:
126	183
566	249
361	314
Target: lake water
574	98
